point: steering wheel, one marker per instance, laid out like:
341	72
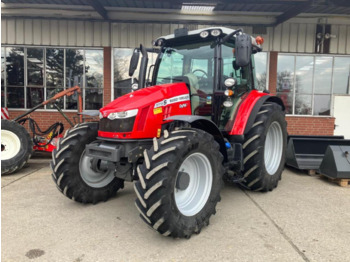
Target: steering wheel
202	71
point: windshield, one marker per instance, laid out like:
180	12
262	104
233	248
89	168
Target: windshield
192	63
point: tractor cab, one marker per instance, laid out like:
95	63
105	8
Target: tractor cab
216	72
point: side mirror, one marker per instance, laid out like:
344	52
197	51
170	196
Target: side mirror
134	61
243	50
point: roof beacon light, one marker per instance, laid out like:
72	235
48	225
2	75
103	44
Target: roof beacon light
204	34
215	32
259	40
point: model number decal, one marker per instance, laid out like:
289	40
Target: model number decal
172	100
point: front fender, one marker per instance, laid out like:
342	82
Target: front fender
204	124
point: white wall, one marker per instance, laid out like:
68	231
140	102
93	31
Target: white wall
342	116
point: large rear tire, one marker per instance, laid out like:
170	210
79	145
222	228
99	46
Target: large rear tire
264	149
16	146
71	168
179	182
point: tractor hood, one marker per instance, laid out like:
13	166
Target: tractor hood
150	96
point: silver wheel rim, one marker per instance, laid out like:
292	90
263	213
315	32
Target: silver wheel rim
92	178
10	145
192	200
273	148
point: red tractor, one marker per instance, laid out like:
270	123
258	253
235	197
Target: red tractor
198	121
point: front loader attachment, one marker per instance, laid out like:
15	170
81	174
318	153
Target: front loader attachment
307	152
336	162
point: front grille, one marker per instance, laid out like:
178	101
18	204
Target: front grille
117	125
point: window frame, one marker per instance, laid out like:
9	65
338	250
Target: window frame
333	56
25	85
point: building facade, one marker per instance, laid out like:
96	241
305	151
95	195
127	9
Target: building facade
43	56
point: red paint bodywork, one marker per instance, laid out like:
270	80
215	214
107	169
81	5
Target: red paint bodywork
148	123
48	148
245	108
143	99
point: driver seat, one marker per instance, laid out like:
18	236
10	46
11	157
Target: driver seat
194	86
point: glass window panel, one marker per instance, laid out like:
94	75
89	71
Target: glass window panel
74	73
172	65
303	104
121	60
287	98
285	73
35	96
122	81
243	75
50	92
341	75
72	102
323	74
15	66
93	98
152	57
260	70
35	66
15	97
54	67
2	77
74	67
94	68
322	105
304	73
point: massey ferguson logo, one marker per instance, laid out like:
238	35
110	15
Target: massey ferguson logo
173	100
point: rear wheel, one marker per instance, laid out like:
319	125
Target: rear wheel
72	171
179	182
264	149
16	146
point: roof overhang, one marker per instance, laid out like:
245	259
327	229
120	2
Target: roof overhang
226	12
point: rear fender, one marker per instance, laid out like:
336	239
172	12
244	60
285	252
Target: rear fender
257	107
204	124
249	109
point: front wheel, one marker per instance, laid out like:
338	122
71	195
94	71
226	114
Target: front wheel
179	182
72	170
16	146
264	149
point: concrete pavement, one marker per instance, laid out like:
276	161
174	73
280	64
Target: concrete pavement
304	219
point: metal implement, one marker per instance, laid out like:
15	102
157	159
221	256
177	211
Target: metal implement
307	152
336	162
67	92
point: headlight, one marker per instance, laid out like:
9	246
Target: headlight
134	86
229	82
100	115
215	32
204	34
123	114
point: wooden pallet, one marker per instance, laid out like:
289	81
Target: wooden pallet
312	172
343	182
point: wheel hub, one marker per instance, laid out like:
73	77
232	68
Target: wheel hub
99	165
94	172
10	144
183	180
193	184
